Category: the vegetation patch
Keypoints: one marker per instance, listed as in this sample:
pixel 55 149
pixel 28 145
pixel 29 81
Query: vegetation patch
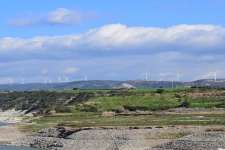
pixel 84 108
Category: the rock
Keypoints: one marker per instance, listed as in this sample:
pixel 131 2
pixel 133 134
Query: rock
pixel 46 143
pixel 108 114
pixel 59 132
pixel 203 141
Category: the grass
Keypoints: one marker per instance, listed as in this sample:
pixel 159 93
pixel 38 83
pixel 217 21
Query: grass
pixel 206 102
pixel 83 119
pixel 88 113
pixel 146 102
pixel 151 100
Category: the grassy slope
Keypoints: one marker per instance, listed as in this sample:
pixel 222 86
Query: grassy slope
pixel 154 100
pixel 88 113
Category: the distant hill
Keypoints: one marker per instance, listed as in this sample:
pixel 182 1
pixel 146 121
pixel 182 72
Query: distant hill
pixel 108 84
pixel 220 83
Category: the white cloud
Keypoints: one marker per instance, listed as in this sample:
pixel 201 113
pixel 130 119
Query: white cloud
pixel 66 16
pixel 60 16
pixel 192 39
pixel 181 43
pixel 70 70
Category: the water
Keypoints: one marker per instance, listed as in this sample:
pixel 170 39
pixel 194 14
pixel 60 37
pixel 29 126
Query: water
pixel 2 124
pixel 14 148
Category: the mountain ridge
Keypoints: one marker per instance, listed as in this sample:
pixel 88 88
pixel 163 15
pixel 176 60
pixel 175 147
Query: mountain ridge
pixel 109 84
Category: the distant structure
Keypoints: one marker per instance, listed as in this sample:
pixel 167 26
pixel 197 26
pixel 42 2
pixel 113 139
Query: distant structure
pixel 147 76
pixel 178 76
pixel 172 84
pixel 85 78
pixel 125 86
pixel 215 76
pixel 23 81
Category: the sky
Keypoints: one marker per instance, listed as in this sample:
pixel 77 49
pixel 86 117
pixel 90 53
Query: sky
pixel 67 40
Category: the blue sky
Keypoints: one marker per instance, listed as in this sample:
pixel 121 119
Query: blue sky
pixel 65 40
pixel 157 13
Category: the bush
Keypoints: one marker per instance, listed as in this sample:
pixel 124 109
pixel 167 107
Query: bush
pixel 160 91
pixel 63 109
pixel 185 104
pixel 134 108
pixel 88 108
pixel 178 96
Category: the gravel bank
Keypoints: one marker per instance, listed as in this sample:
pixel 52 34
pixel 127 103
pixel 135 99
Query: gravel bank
pixel 202 141
pixel 104 138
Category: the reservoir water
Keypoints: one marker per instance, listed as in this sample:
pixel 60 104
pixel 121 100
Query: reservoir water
pixel 2 124
pixel 14 148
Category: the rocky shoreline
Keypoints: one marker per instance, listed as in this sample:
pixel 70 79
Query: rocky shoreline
pixel 90 139
pixel 119 138
pixel 112 138
pixel 135 138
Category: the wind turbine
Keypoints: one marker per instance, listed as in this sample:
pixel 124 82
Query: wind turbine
pixel 178 76
pixel 172 84
pixel 59 79
pixel 149 76
pixel 215 76
pixel 23 81
pixel 85 78
pixel 146 76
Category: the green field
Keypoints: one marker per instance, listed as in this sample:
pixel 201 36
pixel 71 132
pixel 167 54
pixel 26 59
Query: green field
pixel 88 112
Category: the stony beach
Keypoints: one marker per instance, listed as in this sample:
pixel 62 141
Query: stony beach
pixel 117 138
pixel 138 138
pixel 111 138
pixel 9 134
pixel 9 131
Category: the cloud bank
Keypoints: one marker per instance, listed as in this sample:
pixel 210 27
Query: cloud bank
pixel 193 49
pixel 205 40
pixel 117 36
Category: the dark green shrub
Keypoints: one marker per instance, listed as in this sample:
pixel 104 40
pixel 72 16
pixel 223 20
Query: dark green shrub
pixel 160 91
pixel 88 108
pixel 63 109
pixel 134 108
pixel 184 103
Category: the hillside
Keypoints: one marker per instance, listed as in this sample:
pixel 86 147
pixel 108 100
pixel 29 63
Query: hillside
pixel 109 84
pixel 84 108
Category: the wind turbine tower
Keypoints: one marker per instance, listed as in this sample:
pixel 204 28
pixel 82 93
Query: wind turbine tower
pixel 178 76
pixel 149 76
pixel 85 78
pixel 215 76
pixel 172 84
pixel 146 76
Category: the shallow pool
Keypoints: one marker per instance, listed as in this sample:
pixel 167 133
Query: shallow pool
pixel 2 124
pixel 14 148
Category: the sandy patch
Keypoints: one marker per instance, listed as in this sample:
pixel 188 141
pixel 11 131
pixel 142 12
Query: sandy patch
pixel 11 116
pixel 9 134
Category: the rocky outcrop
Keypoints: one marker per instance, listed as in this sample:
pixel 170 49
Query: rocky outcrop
pixel 203 141
pixel 45 143
pixel 59 132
